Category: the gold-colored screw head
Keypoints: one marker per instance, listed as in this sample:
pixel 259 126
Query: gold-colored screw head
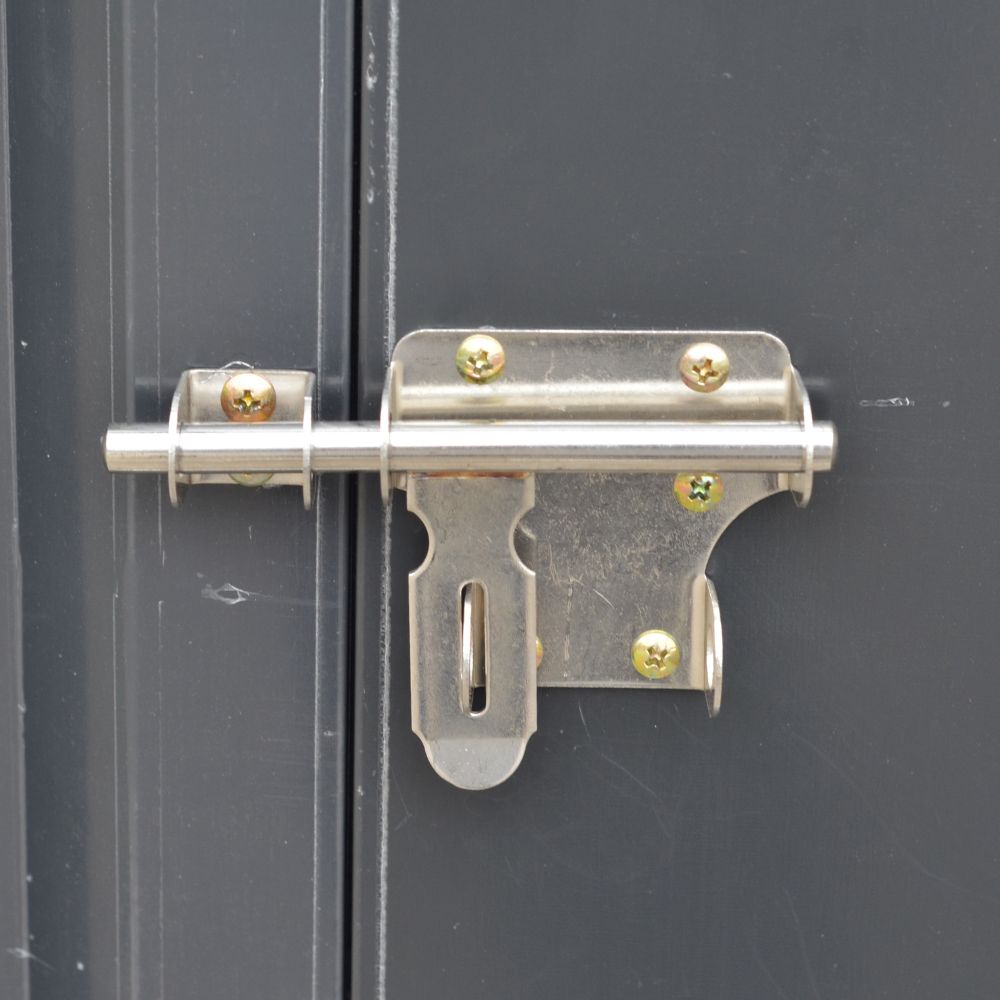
pixel 704 367
pixel 480 358
pixel 251 478
pixel 539 651
pixel 248 398
pixel 698 491
pixel 655 654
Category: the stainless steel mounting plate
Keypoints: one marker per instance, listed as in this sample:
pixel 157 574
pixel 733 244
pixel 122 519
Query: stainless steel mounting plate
pixel 615 555
pixel 196 402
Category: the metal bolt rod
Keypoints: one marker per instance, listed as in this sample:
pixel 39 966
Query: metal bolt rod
pixel 466 446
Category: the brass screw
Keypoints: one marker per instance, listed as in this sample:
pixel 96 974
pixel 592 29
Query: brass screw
pixel 539 651
pixel 704 367
pixel 251 478
pixel 248 398
pixel 480 358
pixel 698 491
pixel 655 654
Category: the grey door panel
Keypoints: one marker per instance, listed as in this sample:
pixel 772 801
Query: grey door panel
pixel 14 943
pixel 182 190
pixel 825 172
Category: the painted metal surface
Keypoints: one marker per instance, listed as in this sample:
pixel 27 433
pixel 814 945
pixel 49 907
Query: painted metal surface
pixel 182 189
pixel 826 172
pixel 15 946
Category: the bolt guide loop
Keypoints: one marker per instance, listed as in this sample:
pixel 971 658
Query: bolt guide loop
pixel 573 485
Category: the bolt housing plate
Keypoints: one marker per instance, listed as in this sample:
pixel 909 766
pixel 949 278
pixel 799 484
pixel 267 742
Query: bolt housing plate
pixel 615 555
pixel 196 400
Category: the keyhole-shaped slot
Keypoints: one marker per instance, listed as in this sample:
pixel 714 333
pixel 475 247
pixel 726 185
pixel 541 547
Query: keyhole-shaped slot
pixel 474 684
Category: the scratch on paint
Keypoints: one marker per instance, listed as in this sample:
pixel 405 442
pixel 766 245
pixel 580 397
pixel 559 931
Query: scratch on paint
pixel 803 950
pixel 228 593
pixel 603 598
pixel 894 402
pixel 26 956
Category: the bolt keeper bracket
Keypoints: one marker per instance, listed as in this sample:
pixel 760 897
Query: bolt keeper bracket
pixel 573 484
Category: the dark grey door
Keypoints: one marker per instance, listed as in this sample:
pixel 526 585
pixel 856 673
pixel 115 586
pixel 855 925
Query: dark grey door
pixel 13 866
pixel 181 194
pixel 826 172
pixel 221 794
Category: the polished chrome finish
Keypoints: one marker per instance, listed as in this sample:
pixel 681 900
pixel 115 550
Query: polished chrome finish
pixel 307 446
pixel 470 525
pixel 196 410
pixel 390 395
pixel 180 409
pixel 799 410
pixel 474 693
pixel 660 471
pixel 591 446
pixel 592 375
pixel 467 446
pixel 706 639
